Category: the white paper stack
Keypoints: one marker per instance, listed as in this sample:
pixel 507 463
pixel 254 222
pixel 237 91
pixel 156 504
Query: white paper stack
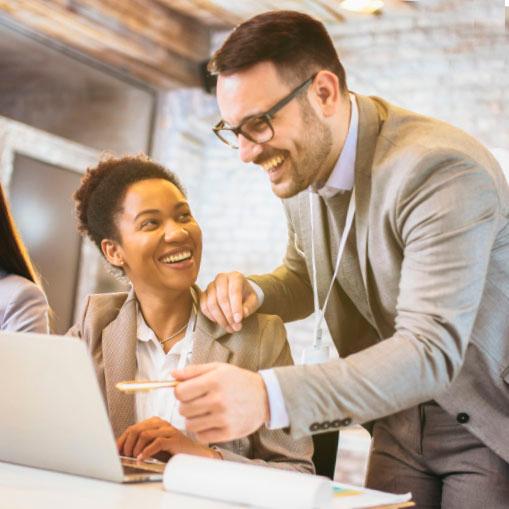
pixel 242 483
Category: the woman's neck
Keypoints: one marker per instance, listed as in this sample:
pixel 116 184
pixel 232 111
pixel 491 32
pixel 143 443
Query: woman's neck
pixel 165 313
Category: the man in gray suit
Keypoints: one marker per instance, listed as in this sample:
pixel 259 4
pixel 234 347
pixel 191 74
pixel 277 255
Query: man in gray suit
pixel 417 213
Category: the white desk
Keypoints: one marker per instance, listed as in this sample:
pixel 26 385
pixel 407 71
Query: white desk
pixel 31 488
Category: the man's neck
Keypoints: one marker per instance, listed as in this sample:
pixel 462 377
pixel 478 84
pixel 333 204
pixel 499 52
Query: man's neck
pixel 339 127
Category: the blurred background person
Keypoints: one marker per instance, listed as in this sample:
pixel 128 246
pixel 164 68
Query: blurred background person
pixel 23 305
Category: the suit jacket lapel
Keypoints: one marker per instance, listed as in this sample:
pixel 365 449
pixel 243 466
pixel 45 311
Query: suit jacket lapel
pixel 369 127
pixel 207 346
pixel 325 270
pixel 119 357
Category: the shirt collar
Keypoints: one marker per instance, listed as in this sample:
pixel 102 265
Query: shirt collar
pixel 143 331
pixel 342 177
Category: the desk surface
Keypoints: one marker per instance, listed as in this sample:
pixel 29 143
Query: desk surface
pixel 27 488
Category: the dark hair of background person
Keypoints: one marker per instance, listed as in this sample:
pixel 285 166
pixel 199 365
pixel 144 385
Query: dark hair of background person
pixel 103 188
pixel 296 43
pixel 14 257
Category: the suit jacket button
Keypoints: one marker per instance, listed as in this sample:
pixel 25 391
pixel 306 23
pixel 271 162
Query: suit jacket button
pixel 326 425
pixel 462 418
pixel 347 421
pixel 337 423
pixel 315 426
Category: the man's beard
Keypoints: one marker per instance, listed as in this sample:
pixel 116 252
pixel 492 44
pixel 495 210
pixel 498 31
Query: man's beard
pixel 315 148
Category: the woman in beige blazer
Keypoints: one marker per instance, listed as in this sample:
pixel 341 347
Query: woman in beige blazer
pixel 137 214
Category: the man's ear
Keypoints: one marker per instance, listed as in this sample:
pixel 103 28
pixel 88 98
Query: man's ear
pixel 112 252
pixel 327 92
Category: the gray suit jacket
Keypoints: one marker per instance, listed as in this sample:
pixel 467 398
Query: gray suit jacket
pixel 108 325
pixel 23 305
pixel 421 310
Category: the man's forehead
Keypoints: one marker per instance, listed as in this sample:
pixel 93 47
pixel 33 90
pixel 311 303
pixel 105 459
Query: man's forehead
pixel 249 92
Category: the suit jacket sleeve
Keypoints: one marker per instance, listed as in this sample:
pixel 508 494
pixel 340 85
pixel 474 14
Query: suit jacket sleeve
pixel 27 310
pixel 275 448
pixel 445 215
pixel 287 290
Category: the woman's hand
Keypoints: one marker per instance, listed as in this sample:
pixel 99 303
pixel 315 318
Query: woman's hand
pixel 152 436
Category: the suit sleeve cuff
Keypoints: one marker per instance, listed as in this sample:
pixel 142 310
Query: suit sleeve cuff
pixel 278 414
pixel 259 293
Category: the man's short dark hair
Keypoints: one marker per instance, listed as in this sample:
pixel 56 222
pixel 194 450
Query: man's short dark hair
pixel 297 44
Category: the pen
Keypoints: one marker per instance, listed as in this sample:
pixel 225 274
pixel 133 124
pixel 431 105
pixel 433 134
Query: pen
pixel 144 385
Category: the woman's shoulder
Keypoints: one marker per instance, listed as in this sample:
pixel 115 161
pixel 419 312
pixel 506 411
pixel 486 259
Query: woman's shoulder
pixel 13 286
pixel 97 311
pixel 261 342
pixel 100 304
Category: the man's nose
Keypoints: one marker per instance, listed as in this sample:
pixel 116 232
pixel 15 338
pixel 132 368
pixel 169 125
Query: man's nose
pixel 248 150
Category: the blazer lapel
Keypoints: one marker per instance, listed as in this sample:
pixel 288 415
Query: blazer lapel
pixel 321 238
pixel 369 127
pixel 207 346
pixel 119 357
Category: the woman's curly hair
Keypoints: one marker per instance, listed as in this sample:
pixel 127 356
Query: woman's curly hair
pixel 102 190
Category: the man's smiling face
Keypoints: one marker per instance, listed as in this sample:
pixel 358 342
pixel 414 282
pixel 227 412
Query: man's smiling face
pixel 295 157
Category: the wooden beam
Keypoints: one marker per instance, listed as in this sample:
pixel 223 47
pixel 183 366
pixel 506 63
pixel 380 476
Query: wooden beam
pixel 149 20
pixel 208 12
pixel 138 55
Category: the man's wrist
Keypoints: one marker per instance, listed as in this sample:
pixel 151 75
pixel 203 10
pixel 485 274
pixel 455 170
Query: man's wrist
pixel 265 396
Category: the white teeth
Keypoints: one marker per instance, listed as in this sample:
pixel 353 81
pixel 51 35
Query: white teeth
pixel 273 162
pixel 178 257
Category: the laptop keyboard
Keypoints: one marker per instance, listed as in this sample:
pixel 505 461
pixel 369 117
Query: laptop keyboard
pixel 133 466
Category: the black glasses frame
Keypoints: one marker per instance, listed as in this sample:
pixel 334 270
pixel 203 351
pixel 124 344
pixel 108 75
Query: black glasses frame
pixel 266 116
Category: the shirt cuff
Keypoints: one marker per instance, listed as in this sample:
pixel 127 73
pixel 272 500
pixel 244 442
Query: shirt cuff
pixel 259 293
pixel 278 414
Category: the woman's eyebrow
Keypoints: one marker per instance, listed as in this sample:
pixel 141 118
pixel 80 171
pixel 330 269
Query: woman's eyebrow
pixel 147 211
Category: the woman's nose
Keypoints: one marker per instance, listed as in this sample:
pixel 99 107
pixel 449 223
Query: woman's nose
pixel 175 232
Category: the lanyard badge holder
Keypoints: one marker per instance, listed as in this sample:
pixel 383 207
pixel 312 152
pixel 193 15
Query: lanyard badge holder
pixel 318 353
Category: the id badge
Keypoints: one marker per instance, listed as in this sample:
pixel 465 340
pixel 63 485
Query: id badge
pixel 315 354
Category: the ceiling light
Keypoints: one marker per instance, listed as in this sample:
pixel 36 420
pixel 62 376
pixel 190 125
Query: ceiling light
pixel 362 6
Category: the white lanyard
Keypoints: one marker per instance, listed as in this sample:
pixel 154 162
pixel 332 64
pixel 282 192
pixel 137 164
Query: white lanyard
pixel 318 353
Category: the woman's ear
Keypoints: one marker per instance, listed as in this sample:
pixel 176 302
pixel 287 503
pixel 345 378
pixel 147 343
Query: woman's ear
pixel 112 252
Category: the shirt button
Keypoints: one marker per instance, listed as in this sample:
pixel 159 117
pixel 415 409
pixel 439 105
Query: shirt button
pixel 462 418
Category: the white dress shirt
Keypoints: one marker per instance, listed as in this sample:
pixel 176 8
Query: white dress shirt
pixel 154 364
pixel 340 180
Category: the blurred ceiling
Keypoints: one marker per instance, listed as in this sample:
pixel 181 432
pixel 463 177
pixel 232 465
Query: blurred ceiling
pixel 161 42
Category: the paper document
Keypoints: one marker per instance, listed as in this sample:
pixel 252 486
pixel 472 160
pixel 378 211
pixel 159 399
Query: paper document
pixel 245 484
pixel 347 496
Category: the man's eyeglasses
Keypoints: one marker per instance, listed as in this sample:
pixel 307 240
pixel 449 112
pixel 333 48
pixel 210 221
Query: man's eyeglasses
pixel 257 129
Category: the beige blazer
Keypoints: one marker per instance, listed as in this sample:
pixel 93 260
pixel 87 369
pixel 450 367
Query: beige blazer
pixel 108 326
pixel 422 305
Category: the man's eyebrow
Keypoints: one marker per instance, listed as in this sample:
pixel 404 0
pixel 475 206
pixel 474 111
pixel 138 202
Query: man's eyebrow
pixel 244 119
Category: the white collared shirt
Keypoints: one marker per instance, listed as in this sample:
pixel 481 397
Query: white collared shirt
pixel 340 180
pixel 154 364
pixel 343 175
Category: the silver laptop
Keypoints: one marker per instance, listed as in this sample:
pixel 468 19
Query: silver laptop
pixel 52 413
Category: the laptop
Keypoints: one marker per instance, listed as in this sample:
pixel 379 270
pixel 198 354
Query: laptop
pixel 53 415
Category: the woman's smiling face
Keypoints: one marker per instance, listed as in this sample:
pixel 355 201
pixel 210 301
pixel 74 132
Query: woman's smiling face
pixel 160 242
